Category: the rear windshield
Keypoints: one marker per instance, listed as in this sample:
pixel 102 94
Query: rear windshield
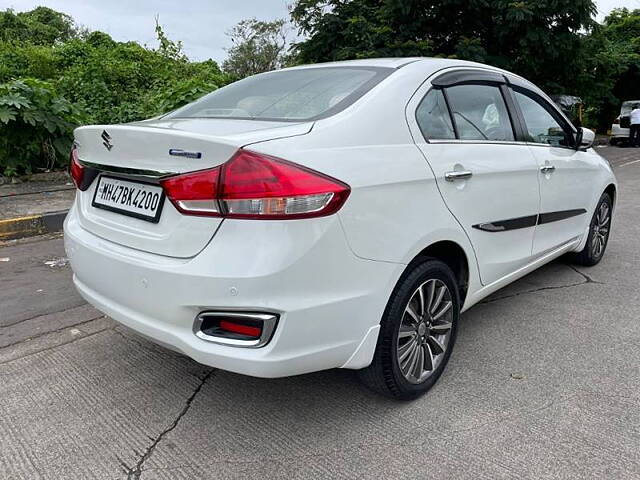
pixel 287 95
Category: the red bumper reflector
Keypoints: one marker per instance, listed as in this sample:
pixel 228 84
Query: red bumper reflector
pixel 241 329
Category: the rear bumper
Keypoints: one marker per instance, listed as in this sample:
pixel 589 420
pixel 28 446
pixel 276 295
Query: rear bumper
pixel 329 301
pixel 618 132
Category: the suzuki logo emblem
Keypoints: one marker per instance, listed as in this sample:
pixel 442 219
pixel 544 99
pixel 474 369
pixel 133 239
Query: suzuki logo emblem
pixel 106 140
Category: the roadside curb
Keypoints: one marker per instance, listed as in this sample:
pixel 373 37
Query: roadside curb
pixel 31 225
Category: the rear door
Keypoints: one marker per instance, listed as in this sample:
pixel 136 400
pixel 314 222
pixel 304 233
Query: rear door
pixel 566 175
pixel 488 180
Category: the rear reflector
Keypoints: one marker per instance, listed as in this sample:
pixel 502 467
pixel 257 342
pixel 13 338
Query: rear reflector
pixel 256 186
pixel 237 329
pixel 234 327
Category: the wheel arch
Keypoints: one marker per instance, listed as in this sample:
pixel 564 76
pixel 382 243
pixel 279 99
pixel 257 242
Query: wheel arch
pixel 612 191
pixel 453 255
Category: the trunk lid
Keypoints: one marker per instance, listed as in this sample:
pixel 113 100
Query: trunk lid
pixel 140 152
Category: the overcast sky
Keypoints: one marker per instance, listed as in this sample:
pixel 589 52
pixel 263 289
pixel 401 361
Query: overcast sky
pixel 200 24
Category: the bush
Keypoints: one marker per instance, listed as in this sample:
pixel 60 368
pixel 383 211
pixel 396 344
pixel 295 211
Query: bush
pixel 175 95
pixel 36 126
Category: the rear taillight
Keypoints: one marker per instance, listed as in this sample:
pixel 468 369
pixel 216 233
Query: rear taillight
pixel 256 186
pixel 76 170
pixel 195 193
pixel 616 121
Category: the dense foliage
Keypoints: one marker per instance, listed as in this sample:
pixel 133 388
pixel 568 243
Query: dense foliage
pixel 555 43
pixel 611 69
pixel 55 76
pixel 35 125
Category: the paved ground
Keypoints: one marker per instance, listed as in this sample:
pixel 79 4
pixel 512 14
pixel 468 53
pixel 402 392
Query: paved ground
pixel 544 383
pixel 41 193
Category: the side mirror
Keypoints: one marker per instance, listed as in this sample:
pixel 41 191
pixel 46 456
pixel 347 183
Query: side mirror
pixel 584 138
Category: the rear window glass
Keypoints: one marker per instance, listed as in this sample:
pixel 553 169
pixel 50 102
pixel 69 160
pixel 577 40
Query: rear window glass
pixel 289 95
pixel 433 117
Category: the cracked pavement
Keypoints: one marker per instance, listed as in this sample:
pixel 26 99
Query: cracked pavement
pixel 544 382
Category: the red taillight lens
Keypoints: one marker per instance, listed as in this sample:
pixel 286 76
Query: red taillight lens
pixel 195 193
pixel 616 121
pixel 76 170
pixel 257 186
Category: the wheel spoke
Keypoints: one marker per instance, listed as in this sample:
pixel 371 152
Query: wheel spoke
pixel 421 295
pixel 419 363
pixel 412 313
pixel 441 329
pixel 405 350
pixel 436 347
pixel 428 357
pixel 409 364
pixel 438 299
pixel 445 308
pixel 598 246
pixel 406 331
pixel 431 289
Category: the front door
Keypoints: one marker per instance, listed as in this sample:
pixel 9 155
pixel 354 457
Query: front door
pixel 564 173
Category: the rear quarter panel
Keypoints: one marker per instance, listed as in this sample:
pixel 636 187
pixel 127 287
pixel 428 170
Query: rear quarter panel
pixel 395 209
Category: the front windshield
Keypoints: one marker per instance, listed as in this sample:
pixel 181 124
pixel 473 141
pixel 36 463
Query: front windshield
pixel 288 95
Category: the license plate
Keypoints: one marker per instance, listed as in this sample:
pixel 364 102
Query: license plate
pixel 135 199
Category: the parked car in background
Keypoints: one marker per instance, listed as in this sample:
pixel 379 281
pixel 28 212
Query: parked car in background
pixel 621 125
pixel 339 215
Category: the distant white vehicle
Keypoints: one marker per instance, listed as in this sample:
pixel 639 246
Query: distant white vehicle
pixel 620 129
pixel 340 215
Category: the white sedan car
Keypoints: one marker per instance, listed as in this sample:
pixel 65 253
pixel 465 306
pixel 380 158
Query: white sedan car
pixel 340 215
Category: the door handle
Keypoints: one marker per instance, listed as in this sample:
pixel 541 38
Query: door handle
pixel 547 168
pixel 457 175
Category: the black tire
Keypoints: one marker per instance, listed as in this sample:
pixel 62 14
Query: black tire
pixel 591 254
pixel 613 142
pixel 384 375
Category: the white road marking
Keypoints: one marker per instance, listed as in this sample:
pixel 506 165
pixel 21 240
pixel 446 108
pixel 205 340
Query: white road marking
pixel 629 163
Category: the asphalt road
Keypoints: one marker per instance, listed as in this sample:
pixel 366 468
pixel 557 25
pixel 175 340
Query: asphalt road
pixel 544 382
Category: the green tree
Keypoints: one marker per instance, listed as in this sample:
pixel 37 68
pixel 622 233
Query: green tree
pixel 540 39
pixel 257 47
pixel 40 26
pixel 611 67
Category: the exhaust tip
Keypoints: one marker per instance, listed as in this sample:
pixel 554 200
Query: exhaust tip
pixel 236 329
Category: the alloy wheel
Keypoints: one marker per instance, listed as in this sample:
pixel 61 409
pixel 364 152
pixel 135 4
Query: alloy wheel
pixel 600 229
pixel 425 331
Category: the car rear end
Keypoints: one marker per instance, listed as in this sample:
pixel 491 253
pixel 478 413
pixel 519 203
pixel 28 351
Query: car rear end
pixel 620 129
pixel 185 232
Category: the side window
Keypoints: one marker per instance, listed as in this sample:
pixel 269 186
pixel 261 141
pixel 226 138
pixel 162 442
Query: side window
pixel 433 117
pixel 480 113
pixel 540 125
